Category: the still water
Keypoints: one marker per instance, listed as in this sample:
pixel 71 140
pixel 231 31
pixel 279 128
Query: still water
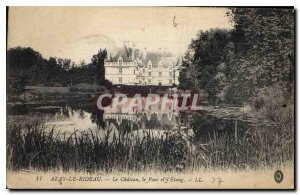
pixel 84 116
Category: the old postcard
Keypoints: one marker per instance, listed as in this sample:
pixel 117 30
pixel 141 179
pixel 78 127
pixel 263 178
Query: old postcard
pixel 150 98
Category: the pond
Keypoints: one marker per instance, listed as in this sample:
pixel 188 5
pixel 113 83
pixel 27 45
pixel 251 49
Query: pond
pixel 84 116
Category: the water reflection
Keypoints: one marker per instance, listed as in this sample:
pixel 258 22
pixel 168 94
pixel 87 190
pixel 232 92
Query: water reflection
pixel 84 116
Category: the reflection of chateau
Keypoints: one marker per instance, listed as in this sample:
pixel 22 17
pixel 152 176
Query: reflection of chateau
pixel 135 119
pixel 131 66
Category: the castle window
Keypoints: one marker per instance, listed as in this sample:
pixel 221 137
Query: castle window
pixel 149 73
pixel 120 70
pixel 170 73
pixel 149 81
pixel 170 81
pixel 160 73
pixel 120 79
pixel 133 71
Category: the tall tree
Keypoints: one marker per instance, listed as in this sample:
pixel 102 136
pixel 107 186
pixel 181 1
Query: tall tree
pixel 24 66
pixel 257 54
pixel 202 61
pixel 264 47
pixel 187 72
pixel 98 62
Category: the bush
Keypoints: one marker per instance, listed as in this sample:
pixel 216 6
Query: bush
pixel 107 84
pixel 275 104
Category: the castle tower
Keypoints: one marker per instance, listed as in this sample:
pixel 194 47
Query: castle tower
pixel 132 52
pixel 145 53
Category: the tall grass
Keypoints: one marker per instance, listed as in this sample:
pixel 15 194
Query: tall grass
pixel 36 147
pixel 257 147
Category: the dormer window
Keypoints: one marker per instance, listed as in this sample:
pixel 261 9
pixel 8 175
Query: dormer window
pixel 159 65
pixel 120 61
pixel 149 64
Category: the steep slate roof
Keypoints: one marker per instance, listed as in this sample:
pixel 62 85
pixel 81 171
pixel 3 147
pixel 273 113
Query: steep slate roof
pixel 155 57
pixel 165 62
pixel 125 53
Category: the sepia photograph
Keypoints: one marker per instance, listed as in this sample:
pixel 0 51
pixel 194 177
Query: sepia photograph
pixel 150 97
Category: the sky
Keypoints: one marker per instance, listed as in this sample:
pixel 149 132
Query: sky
pixel 79 32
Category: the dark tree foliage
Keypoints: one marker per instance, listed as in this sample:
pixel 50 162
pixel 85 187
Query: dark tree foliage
pixel 264 50
pixel 186 80
pixel 202 60
pixel 258 53
pixel 24 67
pixel 98 62
pixel 28 67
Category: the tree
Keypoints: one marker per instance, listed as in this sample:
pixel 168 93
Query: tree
pixel 24 66
pixel 264 47
pixel 22 58
pixel 186 74
pixel 234 66
pixel 201 62
pixel 98 63
pixel 64 63
pixel 24 62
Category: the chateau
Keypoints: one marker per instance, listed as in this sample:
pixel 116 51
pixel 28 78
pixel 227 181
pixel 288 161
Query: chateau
pixel 132 66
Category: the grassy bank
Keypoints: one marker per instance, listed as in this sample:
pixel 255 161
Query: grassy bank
pixel 37 147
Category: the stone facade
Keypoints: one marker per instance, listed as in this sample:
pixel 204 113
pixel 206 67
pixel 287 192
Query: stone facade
pixel 135 67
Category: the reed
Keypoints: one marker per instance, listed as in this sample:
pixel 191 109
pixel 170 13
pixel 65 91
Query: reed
pixel 38 147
